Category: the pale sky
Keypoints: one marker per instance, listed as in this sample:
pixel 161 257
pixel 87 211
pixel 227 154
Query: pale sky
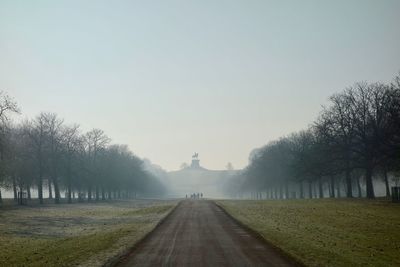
pixel 170 78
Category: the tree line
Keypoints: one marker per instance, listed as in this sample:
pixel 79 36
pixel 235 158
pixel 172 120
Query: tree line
pixel 354 141
pixel 45 153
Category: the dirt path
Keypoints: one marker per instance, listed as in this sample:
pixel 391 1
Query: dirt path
pixel 199 233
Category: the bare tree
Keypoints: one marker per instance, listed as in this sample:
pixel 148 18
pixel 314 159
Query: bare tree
pixel 95 141
pixel 7 106
pixel 72 143
pixel 54 130
pixel 37 132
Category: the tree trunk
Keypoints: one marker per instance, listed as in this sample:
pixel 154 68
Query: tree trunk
pixel 315 190
pixel 320 188
pixel 359 187
pixel 280 192
pixel 103 194
pixel 332 191
pixel 69 182
pixel 14 188
pixel 1 198
pixel 369 183
pixel 89 193
pixel 50 189
pixel 97 193
pixel 28 191
pixel 69 192
pixel 56 191
pixel 339 193
pixel 385 176
pixel 301 189
pixel 349 189
pixel 40 189
pixel 109 194
pixel 287 190
pixel 310 195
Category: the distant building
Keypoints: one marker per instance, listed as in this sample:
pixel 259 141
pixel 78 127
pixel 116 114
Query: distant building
pixel 196 179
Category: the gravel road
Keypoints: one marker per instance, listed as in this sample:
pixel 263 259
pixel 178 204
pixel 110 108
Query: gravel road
pixel 199 233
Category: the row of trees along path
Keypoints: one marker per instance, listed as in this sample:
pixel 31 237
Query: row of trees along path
pixel 354 140
pixel 44 152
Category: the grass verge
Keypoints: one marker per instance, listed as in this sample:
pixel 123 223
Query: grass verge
pixel 326 232
pixel 73 235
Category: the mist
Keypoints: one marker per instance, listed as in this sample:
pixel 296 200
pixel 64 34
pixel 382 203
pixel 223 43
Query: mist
pixel 199 133
pixel 195 179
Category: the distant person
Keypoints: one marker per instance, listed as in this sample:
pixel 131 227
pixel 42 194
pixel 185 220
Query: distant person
pixel 201 195
pixel 186 195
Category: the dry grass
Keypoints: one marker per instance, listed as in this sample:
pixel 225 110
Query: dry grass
pixel 326 232
pixel 77 234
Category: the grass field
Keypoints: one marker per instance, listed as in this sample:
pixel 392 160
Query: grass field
pixel 326 232
pixel 77 234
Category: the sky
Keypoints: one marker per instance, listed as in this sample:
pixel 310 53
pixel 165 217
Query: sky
pixel 170 78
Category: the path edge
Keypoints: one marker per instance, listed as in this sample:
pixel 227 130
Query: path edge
pixel 113 261
pixel 261 238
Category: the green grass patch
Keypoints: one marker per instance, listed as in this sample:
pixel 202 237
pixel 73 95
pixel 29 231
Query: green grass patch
pixel 326 232
pixel 61 251
pixel 71 235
